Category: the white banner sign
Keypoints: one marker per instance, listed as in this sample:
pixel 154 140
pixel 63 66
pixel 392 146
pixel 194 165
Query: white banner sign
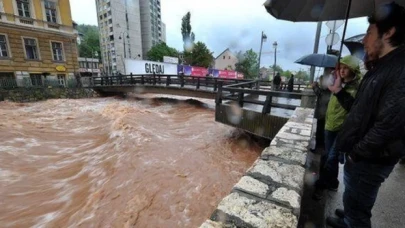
pixel 168 59
pixel 149 67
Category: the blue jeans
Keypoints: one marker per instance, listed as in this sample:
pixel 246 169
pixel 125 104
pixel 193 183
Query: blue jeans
pixel 362 182
pixel 329 168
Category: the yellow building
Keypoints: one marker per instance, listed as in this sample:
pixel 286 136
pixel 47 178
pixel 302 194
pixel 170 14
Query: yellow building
pixel 37 41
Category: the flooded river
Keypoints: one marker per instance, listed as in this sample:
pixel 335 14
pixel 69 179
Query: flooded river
pixel 110 162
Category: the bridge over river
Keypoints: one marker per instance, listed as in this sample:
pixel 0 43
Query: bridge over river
pixel 250 105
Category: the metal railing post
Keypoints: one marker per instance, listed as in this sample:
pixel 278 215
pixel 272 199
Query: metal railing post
pixel 240 99
pixel 218 98
pixel 198 83
pixel 267 104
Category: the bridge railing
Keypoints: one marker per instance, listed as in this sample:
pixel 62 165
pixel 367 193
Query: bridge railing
pixel 247 93
pixel 162 80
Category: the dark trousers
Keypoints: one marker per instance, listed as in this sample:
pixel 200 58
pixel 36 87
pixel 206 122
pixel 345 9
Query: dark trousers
pixel 362 182
pixel 329 167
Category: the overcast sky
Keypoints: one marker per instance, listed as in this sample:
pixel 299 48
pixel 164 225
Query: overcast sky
pixel 236 24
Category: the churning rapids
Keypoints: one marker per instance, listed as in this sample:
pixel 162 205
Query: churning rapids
pixel 111 162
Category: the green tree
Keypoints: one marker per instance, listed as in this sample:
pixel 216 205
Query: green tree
pixel 186 30
pixel 277 69
pixel 161 49
pixel 200 55
pixel 247 64
pixel 286 73
pixel 303 75
pixel 91 41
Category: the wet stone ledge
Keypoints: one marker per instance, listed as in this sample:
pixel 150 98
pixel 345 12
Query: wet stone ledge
pixel 38 94
pixel 269 195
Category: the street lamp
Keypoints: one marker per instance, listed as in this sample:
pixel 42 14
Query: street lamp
pixel 275 58
pixel 263 39
pixel 95 53
pixel 122 37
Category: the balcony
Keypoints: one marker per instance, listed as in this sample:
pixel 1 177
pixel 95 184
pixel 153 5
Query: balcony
pixel 53 26
pixel 26 21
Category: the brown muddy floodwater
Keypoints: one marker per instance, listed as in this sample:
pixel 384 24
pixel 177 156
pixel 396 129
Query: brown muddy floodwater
pixel 110 162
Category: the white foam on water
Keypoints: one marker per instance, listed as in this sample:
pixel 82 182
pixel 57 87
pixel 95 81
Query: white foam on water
pixel 45 219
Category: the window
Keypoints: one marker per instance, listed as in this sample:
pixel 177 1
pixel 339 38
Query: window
pixel 61 79
pixel 223 57
pixel 111 29
pixel 229 57
pixel 36 79
pixel 3 47
pixel 50 10
pixel 23 7
pixel 57 51
pixel 31 49
pixel 101 17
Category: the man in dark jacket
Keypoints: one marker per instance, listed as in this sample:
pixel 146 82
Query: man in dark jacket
pixel 372 136
pixel 290 86
pixel 277 81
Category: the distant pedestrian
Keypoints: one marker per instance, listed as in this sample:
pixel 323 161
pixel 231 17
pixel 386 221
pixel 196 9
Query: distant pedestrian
pixel 290 86
pixel 335 115
pixel 277 81
pixel 373 134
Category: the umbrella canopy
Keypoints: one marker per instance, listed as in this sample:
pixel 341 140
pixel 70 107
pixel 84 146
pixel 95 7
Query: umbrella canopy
pixel 318 60
pixel 322 10
pixel 355 45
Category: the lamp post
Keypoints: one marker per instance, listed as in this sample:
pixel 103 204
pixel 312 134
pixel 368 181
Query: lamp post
pixel 93 53
pixel 275 58
pixel 122 37
pixel 263 39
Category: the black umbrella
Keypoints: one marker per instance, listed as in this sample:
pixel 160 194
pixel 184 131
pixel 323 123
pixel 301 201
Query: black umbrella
pixel 355 45
pixel 318 60
pixel 324 10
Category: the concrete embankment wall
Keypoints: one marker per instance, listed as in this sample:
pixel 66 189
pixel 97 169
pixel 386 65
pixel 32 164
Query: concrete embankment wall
pixel 38 94
pixel 269 194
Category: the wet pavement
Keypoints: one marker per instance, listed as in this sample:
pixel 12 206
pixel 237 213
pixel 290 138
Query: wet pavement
pixel 388 211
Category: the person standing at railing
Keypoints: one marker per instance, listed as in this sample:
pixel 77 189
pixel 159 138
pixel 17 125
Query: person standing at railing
pixel 290 86
pixel 277 81
pixel 335 115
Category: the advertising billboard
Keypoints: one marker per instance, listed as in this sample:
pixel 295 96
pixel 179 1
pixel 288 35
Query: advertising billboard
pixel 168 59
pixel 192 71
pixel 149 67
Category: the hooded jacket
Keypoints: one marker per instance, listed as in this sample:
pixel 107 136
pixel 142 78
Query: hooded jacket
pixel 336 113
pixel 374 130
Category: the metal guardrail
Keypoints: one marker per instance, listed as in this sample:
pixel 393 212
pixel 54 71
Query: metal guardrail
pixel 243 96
pixel 162 80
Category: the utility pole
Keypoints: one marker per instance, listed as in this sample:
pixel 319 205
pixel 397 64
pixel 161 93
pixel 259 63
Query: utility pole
pixel 316 46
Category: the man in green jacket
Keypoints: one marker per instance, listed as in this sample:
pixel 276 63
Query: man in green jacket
pixel 335 116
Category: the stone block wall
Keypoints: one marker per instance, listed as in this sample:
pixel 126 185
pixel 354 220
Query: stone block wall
pixel 38 94
pixel 269 195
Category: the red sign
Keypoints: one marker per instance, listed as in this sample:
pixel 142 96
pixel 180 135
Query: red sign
pixel 228 74
pixel 199 71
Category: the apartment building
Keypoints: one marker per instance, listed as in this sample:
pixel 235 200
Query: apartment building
pixel 37 41
pixel 120 33
pixel 153 30
pixel 128 29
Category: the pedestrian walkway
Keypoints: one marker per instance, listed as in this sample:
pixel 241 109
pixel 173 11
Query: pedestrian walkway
pixel 389 209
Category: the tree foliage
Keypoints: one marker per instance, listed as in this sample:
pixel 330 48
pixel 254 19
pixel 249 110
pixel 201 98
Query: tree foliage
pixel 186 29
pixel 278 69
pixel 302 75
pixel 161 49
pixel 248 64
pixel 91 41
pixel 200 55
